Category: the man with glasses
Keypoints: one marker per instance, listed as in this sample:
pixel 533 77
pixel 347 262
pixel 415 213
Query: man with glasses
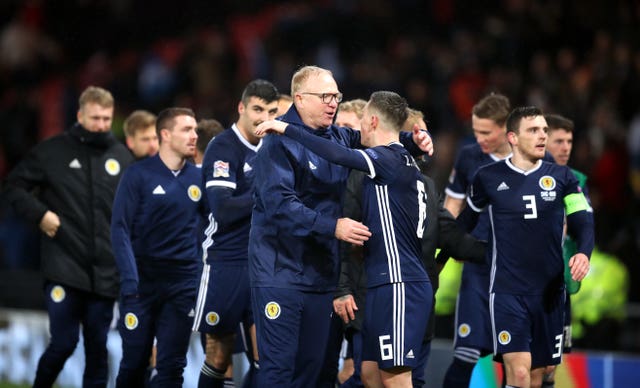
pixel 293 251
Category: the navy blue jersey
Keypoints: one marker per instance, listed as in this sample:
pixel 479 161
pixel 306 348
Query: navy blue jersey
pixel 469 160
pixel 394 209
pixel 527 210
pixel 297 202
pixel 227 172
pixel 156 215
pixel 393 206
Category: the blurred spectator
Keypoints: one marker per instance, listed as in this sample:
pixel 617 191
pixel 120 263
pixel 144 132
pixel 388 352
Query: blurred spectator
pixel 207 129
pixel 25 51
pixel 284 103
pixel 350 113
pixel 140 134
pixel 558 54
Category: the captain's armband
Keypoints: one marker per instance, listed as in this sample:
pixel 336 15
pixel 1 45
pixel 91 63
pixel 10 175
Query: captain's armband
pixel 575 202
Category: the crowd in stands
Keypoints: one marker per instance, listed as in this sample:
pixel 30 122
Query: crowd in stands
pixel 581 60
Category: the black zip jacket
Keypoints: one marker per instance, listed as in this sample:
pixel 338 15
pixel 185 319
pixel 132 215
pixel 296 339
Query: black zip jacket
pixel 75 175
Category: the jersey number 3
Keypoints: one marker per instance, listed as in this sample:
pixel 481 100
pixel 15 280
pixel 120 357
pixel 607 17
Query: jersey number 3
pixel 530 203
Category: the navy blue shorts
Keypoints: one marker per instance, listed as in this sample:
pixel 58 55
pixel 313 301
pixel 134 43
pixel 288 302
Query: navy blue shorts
pixel 473 321
pixel 529 323
pixel 224 299
pixel 293 330
pixel 395 322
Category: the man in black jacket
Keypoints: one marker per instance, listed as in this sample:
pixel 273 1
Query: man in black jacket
pixel 66 185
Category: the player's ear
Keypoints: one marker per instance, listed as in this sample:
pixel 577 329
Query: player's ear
pixel 165 133
pixel 512 138
pixel 374 121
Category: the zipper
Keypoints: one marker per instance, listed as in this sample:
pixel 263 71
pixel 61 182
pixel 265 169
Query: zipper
pixel 90 211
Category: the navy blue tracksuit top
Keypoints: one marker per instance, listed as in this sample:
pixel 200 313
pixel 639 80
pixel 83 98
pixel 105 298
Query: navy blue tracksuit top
pixel 297 203
pixel 156 215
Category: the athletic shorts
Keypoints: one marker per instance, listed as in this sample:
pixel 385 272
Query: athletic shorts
pixel 473 321
pixel 395 322
pixel 224 299
pixel 529 323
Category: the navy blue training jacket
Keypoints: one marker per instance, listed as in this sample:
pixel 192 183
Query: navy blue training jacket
pixel 297 203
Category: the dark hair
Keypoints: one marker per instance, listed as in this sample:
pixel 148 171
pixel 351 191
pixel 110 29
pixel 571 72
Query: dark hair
pixel 391 106
pixel 516 115
pixel 207 129
pixel 262 89
pixel 494 107
pixel 166 118
pixel 555 121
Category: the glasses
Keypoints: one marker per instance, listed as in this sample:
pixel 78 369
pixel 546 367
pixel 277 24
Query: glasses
pixel 327 97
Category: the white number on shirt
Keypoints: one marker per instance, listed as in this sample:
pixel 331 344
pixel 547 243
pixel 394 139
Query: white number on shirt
pixel 530 201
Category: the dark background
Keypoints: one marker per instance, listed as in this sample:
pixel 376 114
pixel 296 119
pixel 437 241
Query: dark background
pixel 577 58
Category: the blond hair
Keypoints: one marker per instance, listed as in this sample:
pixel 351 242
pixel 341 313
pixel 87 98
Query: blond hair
pixel 355 106
pixel 138 120
pixel 303 74
pixel 414 116
pixel 96 95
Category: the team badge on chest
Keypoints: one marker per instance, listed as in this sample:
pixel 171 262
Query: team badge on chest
pixel 547 184
pixel 112 167
pixel 194 193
